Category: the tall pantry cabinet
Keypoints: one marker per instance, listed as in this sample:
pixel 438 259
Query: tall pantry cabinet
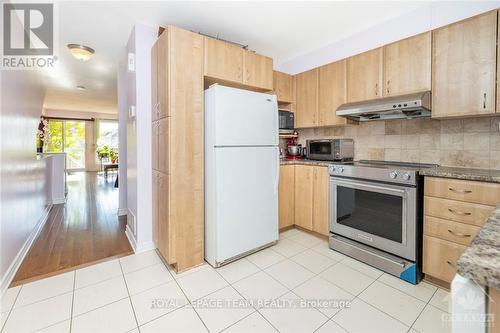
pixel 177 144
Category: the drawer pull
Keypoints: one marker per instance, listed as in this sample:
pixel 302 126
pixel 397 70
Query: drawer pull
pixel 458 234
pixel 451 264
pixel 460 191
pixel 458 212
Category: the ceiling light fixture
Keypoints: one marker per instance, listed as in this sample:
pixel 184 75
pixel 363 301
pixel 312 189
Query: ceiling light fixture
pixel 81 52
pixel 80 87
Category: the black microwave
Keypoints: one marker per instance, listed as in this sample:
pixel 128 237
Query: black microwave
pixel 286 119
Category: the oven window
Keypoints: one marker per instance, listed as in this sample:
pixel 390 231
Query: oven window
pixel 372 212
pixel 322 148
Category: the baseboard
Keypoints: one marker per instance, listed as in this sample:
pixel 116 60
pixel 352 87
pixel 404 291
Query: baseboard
pixel 122 211
pixel 130 237
pixel 14 266
pixel 57 201
pixel 138 247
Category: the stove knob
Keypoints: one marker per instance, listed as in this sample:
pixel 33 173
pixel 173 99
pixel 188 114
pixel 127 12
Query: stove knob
pixel 393 175
pixel 406 176
pixel 341 169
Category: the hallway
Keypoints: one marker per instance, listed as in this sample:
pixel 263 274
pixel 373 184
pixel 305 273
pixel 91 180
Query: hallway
pixel 81 232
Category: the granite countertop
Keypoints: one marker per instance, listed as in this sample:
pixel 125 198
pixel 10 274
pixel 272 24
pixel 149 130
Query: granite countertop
pixel 305 161
pixel 480 262
pixel 484 175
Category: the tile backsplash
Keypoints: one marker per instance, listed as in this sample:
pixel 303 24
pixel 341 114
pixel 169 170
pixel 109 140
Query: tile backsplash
pixel 473 143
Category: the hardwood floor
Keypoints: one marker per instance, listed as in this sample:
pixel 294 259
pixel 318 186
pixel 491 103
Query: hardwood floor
pixel 81 232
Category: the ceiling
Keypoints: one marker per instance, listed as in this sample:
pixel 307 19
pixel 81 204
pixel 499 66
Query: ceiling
pixel 282 30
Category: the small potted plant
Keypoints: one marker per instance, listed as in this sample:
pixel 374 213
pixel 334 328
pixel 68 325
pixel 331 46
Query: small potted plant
pixel 113 155
pixel 103 152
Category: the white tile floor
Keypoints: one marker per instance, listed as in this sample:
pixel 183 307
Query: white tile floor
pixel 283 288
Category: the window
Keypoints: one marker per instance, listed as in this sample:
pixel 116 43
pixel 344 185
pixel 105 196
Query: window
pixel 67 136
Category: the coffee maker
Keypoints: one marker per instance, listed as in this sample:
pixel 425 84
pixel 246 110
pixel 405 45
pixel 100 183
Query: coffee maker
pixel 293 148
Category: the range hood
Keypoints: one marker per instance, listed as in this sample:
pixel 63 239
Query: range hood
pixel 399 107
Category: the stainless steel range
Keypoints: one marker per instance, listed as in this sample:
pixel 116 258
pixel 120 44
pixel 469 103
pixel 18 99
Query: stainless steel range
pixel 376 215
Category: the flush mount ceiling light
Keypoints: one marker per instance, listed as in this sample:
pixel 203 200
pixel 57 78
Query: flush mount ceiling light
pixel 80 87
pixel 81 52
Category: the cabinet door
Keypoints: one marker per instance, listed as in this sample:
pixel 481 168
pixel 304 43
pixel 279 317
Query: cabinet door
pixel 154 144
pixel 364 76
pixel 155 207
pixel 166 236
pixel 154 82
pixel 223 60
pixel 464 67
pixel 303 196
pixel 162 81
pixel 283 87
pixel 306 98
pixel 320 200
pixel 407 65
pixel 258 71
pixel 162 132
pixel 332 93
pixel 287 196
pixel 440 258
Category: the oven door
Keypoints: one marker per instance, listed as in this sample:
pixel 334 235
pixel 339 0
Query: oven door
pixel 380 215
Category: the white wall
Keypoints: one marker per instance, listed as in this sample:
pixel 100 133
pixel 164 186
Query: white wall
pixel 139 174
pixel 23 196
pixel 431 16
pixel 122 137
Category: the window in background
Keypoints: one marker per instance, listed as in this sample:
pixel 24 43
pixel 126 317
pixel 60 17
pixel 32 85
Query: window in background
pixel 67 136
pixel 107 141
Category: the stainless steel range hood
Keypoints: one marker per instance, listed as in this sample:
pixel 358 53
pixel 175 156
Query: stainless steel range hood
pixel 400 107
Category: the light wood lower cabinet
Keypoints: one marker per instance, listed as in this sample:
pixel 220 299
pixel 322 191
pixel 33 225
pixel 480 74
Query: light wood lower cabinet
pixel 303 197
pixel 178 198
pixel 440 258
pixel 321 179
pixel 452 218
pixel 287 196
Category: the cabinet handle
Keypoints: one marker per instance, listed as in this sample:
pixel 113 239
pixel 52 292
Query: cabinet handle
pixel 376 89
pixel 451 264
pixel 158 107
pixel 458 212
pixel 459 191
pixel 458 234
pixel 484 101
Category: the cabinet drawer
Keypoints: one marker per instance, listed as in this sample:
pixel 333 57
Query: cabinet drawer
pixel 440 258
pixel 451 231
pixel 464 212
pixel 463 190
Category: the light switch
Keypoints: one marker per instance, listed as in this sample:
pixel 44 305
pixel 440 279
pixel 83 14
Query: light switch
pixel 131 111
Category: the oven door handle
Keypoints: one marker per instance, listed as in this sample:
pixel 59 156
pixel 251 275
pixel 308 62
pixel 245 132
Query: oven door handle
pixel 402 192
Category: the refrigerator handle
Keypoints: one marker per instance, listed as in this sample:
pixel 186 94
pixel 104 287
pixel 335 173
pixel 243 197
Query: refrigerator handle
pixel 276 186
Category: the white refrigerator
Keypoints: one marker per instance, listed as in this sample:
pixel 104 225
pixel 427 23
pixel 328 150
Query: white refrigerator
pixel 241 173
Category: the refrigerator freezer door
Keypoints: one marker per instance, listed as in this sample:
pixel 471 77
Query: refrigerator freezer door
pixel 239 117
pixel 246 190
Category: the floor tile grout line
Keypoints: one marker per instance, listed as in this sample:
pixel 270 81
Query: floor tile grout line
pixel 427 304
pixel 239 320
pixel 404 292
pixel 130 299
pixel 11 309
pixel 72 303
pixel 187 299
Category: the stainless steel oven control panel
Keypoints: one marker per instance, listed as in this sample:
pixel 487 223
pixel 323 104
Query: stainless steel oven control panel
pixel 399 176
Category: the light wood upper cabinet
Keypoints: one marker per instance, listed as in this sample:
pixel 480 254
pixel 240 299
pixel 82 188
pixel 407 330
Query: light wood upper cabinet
pixel 286 196
pixel 258 71
pixel 223 60
pixel 364 76
pixel 320 223
pixel 163 150
pixel 306 98
pixel 154 82
pixel 162 89
pixel 283 87
pixel 304 196
pixel 464 67
pixel 332 93
pixel 407 65
pixel 154 145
